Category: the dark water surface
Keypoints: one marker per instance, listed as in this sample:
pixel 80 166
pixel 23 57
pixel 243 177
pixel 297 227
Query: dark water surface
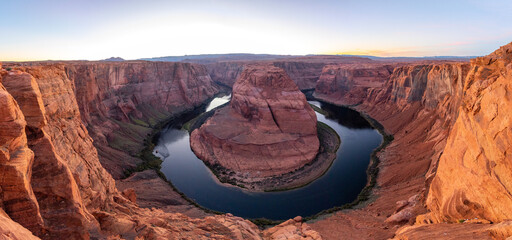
pixel 341 184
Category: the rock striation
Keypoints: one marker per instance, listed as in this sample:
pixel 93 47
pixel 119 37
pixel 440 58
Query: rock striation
pixel 121 102
pixel 474 176
pixel 17 197
pixel 418 105
pixel 350 83
pixel 267 130
pixel 304 71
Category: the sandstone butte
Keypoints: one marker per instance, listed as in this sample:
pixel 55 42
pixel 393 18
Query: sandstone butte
pixel 268 128
pixel 68 130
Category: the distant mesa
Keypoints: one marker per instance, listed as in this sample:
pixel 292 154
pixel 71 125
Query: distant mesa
pixel 113 59
pixel 267 130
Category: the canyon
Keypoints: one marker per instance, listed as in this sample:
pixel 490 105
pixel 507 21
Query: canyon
pixel 69 131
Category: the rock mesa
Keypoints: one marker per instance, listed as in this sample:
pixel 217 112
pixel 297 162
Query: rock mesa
pixel 268 128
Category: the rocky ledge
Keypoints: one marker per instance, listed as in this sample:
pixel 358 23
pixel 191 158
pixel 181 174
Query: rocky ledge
pixel 268 129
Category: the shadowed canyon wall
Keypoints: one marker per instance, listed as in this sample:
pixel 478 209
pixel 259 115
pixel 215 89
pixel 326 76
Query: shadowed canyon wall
pixel 122 102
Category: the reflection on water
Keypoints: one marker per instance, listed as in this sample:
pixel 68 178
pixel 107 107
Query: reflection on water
pixel 217 102
pixel 341 184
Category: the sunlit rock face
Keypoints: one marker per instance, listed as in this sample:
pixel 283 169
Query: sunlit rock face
pixel 268 128
pixel 474 177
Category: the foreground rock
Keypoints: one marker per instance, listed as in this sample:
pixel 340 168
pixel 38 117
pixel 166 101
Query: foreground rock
pixel 474 177
pixel 268 129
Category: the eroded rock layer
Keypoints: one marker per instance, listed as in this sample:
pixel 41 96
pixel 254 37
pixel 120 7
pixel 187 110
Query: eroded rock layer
pixel 420 122
pixel 474 178
pixel 350 82
pixel 268 128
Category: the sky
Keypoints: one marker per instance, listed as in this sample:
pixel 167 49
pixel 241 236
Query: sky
pixel 132 29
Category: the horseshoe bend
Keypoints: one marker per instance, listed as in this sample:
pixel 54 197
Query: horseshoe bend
pixel 254 146
pixel 269 128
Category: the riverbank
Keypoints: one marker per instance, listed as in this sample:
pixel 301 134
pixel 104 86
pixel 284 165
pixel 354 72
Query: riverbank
pixel 373 168
pixel 329 144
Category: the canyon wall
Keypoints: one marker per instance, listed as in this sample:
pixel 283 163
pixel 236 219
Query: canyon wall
pixel 304 74
pixel 450 159
pixel 120 103
pixel 475 172
pixel 417 104
pixel 349 83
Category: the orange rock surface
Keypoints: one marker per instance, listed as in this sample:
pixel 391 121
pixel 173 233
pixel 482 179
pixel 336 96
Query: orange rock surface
pixel 17 197
pixel 474 177
pixel 268 128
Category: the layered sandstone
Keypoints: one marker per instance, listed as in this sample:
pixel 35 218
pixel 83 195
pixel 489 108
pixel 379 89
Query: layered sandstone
pixel 61 205
pixel 267 130
pixel 474 176
pixel 417 104
pixel 17 197
pixel 10 229
pixel 304 71
pixel 304 74
pixel 349 83
pixel 450 122
pixel 122 102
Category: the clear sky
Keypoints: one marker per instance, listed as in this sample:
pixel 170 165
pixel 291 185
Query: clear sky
pixel 98 29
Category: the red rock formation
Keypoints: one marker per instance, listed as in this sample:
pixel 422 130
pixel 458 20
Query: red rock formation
pixel 17 198
pixel 60 201
pixel 121 102
pixel 225 73
pixel 455 112
pixel 420 122
pixel 349 83
pixel 10 229
pixel 304 74
pixel 268 129
pixel 474 176
pixel 290 229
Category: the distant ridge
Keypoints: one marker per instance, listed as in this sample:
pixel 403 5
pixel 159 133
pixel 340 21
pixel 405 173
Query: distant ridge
pixel 211 58
pixel 113 59
pixel 206 58
pixel 446 58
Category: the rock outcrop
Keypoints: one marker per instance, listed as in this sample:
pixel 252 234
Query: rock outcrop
pixel 474 176
pixel 452 138
pixel 268 128
pixel 12 230
pixel 60 202
pixel 17 197
pixel 304 74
